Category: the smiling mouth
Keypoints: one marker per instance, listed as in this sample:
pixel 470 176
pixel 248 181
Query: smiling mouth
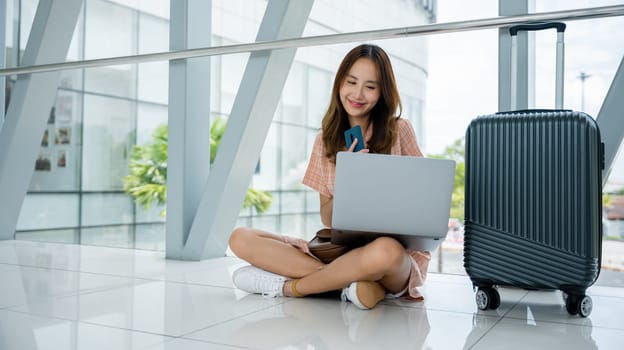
pixel 355 104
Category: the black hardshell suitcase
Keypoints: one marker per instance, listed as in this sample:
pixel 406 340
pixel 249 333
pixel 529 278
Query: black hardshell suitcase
pixel 533 206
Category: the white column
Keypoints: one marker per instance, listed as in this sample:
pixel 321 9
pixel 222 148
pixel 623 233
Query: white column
pixel 31 100
pixel 525 86
pixel 188 165
pixel 248 125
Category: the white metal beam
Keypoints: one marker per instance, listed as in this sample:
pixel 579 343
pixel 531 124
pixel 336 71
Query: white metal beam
pixel 611 120
pixel 188 165
pixel 525 84
pixel 247 128
pixel 29 108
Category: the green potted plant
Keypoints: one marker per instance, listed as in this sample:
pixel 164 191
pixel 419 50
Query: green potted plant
pixel 147 180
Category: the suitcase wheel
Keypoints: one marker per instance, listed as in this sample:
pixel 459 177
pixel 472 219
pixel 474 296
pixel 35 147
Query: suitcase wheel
pixel 578 304
pixel 487 298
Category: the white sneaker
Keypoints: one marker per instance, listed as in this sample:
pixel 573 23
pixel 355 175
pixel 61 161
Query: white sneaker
pixel 364 294
pixel 255 280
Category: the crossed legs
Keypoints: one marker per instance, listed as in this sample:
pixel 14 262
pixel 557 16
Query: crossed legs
pixel 384 260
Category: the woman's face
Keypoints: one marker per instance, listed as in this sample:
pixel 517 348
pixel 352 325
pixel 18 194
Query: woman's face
pixel 359 91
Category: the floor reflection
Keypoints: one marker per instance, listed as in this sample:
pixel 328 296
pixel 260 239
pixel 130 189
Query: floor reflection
pixel 319 323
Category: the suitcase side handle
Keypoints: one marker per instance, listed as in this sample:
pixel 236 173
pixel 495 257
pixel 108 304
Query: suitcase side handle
pixel 531 27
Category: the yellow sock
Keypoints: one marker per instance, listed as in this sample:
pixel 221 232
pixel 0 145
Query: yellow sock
pixel 293 288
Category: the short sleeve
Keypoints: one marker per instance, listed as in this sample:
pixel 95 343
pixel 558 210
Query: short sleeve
pixel 317 175
pixel 407 139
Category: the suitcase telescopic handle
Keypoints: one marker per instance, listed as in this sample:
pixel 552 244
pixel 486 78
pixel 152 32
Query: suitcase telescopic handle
pixel 513 31
pixel 531 27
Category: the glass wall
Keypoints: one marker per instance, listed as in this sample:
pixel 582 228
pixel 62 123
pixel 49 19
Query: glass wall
pixel 76 193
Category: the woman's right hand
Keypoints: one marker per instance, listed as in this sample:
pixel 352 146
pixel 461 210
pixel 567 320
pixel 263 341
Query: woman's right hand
pixel 354 143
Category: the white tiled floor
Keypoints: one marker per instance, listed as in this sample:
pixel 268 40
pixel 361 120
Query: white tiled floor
pixel 55 296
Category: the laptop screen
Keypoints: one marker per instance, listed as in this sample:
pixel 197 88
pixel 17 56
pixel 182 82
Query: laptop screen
pixel 392 194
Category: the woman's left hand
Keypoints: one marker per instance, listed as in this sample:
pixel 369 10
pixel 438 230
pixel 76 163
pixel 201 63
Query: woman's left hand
pixel 298 243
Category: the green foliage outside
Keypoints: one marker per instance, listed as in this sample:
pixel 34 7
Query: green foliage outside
pixel 457 152
pixel 147 181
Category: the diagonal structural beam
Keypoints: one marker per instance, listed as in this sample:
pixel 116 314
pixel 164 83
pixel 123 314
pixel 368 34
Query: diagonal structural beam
pixel 247 128
pixel 611 120
pixel 29 108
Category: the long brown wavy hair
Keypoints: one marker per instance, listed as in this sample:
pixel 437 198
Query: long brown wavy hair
pixel 383 115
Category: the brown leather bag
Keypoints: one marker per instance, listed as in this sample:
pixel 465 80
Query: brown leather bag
pixel 322 247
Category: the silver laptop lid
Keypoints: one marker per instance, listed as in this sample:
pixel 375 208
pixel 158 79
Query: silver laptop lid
pixel 392 194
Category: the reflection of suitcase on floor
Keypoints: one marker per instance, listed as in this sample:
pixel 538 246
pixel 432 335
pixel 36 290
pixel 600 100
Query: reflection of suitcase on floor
pixel 533 198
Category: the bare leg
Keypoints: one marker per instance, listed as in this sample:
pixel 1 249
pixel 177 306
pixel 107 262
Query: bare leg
pixel 269 252
pixel 383 260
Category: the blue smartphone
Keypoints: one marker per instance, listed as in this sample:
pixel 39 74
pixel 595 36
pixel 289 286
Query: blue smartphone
pixel 352 134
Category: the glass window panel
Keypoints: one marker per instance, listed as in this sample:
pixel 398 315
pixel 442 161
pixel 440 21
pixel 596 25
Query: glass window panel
pixel 239 20
pixel 106 209
pixel 153 82
pixel 245 212
pixel 150 215
pixel 232 69
pixel 108 138
pixel 153 76
pixel 27 11
pixel 312 225
pixel 114 80
pixel 215 79
pixel 272 210
pixel 412 111
pixel 293 156
pixel 266 176
pixel 293 202
pixel 265 223
pixel 613 208
pixel 292 96
pixel 58 163
pixel 72 78
pixel 109 236
pixel 149 118
pixel 313 202
pixel 46 211
pixel 11 8
pixel 318 95
pixel 56 236
pixel 293 225
pixel 150 236
pixel 153 34
pixel 109 32
pixel 311 137
pixel 215 93
pixel 243 222
pixel 158 8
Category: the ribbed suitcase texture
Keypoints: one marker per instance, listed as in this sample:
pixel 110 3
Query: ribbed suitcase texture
pixel 533 200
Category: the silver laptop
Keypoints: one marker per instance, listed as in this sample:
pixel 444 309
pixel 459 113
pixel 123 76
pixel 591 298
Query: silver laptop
pixel 408 198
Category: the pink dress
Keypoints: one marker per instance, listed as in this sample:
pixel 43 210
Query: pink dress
pixel 321 173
